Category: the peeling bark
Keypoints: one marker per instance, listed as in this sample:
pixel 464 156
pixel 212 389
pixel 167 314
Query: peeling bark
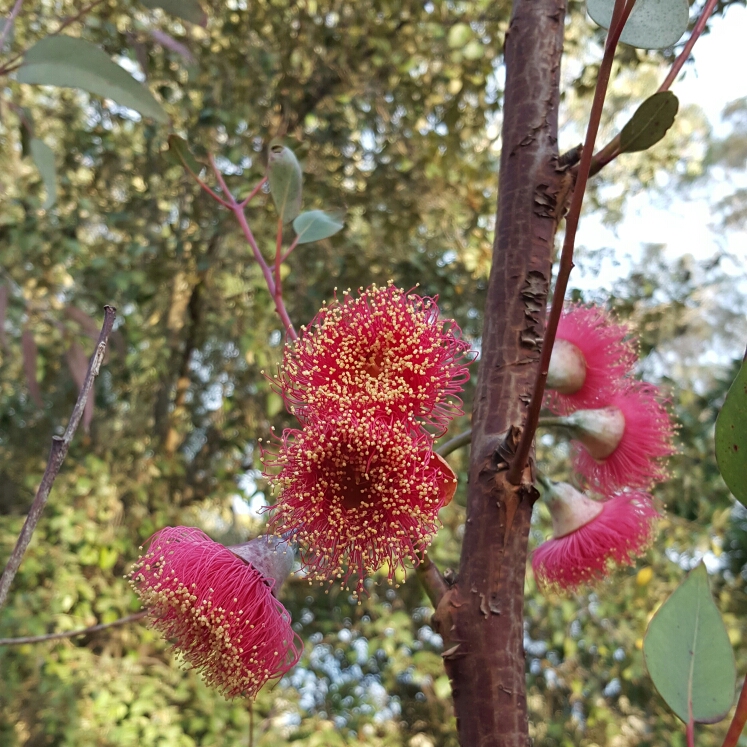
pixel 481 616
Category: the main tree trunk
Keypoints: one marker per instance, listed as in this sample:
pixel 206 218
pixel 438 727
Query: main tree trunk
pixel 481 616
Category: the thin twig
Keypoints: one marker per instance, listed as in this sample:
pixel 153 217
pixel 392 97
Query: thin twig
pixel 620 15
pixel 10 65
pixel 9 23
pixel 237 208
pixel 73 633
pixel 690 733
pixel 293 245
pixel 253 193
pixel 455 443
pixel 430 578
pixel 740 719
pixel 612 150
pixel 57 455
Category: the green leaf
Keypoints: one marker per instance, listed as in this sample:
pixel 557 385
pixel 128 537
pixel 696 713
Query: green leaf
pixel 731 437
pixel 688 653
pixel 187 10
pixel 74 63
pixel 653 24
pixel 285 177
pixel 316 225
pixel 43 157
pixel 180 153
pixel 650 122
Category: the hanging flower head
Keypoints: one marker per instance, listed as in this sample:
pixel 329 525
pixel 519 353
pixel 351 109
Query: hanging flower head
pixel 359 492
pixel 622 445
pixel 384 353
pixel 218 608
pixel 590 356
pixel 590 537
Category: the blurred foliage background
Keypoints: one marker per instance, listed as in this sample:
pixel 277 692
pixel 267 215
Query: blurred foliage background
pixel 395 110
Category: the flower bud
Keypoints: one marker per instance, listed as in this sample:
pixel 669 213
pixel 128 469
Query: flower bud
pixel 569 508
pixel 600 431
pixel 567 371
pixel 270 555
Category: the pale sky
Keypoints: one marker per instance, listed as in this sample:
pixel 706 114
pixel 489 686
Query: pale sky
pixel 717 76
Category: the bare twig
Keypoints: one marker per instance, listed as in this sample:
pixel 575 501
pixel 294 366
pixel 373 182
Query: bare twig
pixel 612 150
pixel 9 23
pixel 740 719
pixel 455 443
pixel 620 15
pixel 12 63
pixel 57 455
pixel 73 633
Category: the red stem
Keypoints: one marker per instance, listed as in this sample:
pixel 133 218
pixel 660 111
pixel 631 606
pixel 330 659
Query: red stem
pixel 237 208
pixel 619 17
pixel 683 56
pixel 690 733
pixel 740 719
pixel 612 149
pixel 290 249
pixel 253 193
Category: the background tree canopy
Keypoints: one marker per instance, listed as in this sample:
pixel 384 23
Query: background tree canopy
pixel 394 109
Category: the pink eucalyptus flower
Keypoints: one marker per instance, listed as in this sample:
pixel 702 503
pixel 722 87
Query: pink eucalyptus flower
pixel 359 492
pixel 590 537
pixel 590 356
pixel 218 609
pixel 385 353
pixel 622 445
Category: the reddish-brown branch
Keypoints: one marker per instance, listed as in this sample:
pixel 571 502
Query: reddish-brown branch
pixel 73 633
pixel 57 455
pixel 740 719
pixel 619 17
pixel 612 150
pixel 481 616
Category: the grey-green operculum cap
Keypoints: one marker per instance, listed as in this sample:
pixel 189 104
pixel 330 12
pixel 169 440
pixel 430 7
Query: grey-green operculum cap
pixel 272 556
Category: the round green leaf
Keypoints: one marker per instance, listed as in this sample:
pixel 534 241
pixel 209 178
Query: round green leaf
pixel 74 63
pixel 187 10
pixel 688 653
pixel 650 122
pixel 731 437
pixel 316 225
pixel 653 24
pixel 285 177
pixel 43 157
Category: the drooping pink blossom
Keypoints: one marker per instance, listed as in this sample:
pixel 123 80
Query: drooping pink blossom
pixel 357 492
pixel 592 353
pixel 646 436
pixel 592 537
pixel 385 353
pixel 218 609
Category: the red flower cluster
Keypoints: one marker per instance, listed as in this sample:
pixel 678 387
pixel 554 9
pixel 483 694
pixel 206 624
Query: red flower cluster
pixel 620 432
pixel 218 609
pixel 384 353
pixel 360 485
